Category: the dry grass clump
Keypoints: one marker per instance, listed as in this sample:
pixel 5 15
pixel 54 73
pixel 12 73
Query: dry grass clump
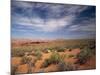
pixel 66 66
pixel 38 54
pixel 55 58
pixel 84 55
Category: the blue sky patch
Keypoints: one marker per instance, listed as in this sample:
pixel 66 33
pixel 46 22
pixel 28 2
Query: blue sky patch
pixel 52 21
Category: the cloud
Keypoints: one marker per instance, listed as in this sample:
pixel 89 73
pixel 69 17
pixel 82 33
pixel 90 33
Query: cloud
pixel 22 4
pixel 33 17
pixel 48 25
pixel 84 25
pixel 48 10
pixel 55 24
pixel 57 16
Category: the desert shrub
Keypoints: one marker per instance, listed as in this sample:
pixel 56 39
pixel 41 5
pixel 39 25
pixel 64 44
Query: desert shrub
pixel 84 55
pixel 50 49
pixel 62 66
pixel 38 54
pixel 46 63
pixel 70 56
pixel 92 45
pixel 55 58
pixel 62 49
pixel 32 53
pixel 26 59
pixel 66 66
pixel 20 53
pixel 81 47
pixel 70 49
pixel 47 50
pixel 59 49
pixel 17 53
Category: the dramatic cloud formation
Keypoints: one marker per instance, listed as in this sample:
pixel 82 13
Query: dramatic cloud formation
pixel 45 20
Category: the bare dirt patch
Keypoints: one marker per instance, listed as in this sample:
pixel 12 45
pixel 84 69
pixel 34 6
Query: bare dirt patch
pixel 16 61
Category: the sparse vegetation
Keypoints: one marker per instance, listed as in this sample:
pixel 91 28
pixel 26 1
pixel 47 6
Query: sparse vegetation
pixel 38 54
pixel 60 49
pixel 70 56
pixel 20 51
pixel 84 55
pixel 43 55
pixel 66 66
pixel 55 58
pixel 26 59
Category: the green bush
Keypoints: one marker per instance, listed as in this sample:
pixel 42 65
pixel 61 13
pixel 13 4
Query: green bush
pixel 91 45
pixel 84 55
pixel 66 67
pixel 47 50
pixel 26 59
pixel 50 49
pixel 60 49
pixel 55 58
pixel 38 54
pixel 18 53
pixel 70 56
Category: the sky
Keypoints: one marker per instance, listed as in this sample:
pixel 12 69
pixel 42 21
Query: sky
pixel 52 21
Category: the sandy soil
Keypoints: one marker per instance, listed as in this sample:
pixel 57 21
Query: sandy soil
pixel 16 61
pixel 22 68
pixel 90 64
